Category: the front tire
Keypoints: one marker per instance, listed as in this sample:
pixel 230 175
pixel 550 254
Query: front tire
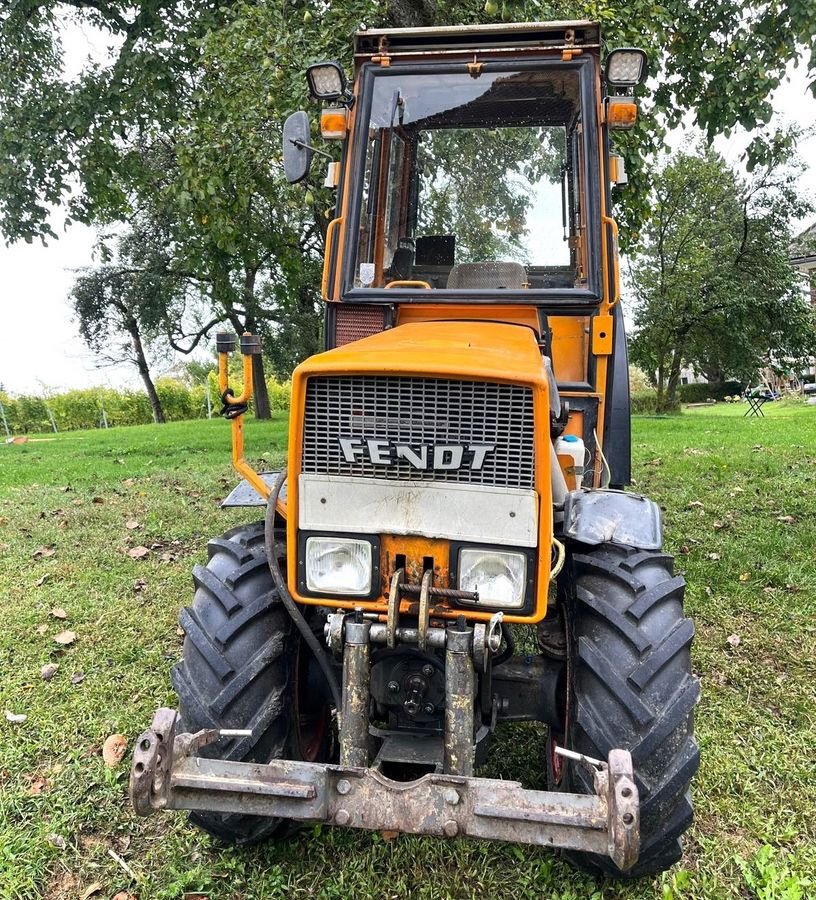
pixel 631 687
pixel 243 666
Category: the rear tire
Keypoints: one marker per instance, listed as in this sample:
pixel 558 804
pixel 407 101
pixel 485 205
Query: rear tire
pixel 631 687
pixel 240 668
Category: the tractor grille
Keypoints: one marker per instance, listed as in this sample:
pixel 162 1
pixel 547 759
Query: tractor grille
pixel 416 412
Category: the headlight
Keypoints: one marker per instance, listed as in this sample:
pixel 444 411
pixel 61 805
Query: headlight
pixel 338 566
pixel 500 577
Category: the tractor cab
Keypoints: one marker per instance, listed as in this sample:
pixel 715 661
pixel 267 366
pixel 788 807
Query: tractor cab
pixel 475 184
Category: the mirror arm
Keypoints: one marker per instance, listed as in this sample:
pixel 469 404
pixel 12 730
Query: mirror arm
pixel 313 149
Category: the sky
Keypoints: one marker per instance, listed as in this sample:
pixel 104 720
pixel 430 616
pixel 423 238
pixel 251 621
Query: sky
pixel 40 348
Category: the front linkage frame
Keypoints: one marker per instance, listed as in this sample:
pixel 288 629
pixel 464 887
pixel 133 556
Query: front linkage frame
pixel 167 773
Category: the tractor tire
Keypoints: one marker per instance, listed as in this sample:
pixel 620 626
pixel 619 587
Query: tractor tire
pixel 240 669
pixel 631 687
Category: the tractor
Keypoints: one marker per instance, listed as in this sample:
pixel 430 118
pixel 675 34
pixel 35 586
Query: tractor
pixel 449 548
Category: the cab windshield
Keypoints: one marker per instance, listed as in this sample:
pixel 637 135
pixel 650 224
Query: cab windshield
pixel 474 183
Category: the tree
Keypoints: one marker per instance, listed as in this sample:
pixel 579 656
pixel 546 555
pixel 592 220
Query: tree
pixel 126 305
pixel 713 283
pixel 74 140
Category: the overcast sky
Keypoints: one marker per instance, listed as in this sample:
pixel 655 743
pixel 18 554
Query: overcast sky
pixel 39 344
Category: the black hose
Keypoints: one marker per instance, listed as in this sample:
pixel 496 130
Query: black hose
pixel 292 608
pixel 510 646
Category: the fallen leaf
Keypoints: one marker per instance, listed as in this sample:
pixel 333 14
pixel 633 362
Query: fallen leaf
pixel 718 525
pixel 78 678
pixel 733 640
pixel 15 718
pixel 389 836
pixel 65 638
pixel 43 552
pixel 685 550
pixel 714 556
pixel 132 525
pixel 92 889
pixel 3 520
pixel 114 749
pixel 139 552
pixel 56 840
pixel 129 482
pixel 746 576
pixel 41 580
pixel 694 503
pixel 37 785
pixel 41 629
pixel 768 589
pixel 139 585
pixel 98 500
pixel 48 671
pixel 788 520
pixel 123 895
pixel 59 613
pixel 180 631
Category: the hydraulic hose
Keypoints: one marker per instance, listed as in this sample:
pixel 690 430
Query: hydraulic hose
pixel 292 608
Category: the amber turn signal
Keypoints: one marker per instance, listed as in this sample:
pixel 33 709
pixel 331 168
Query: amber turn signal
pixel 621 112
pixel 334 123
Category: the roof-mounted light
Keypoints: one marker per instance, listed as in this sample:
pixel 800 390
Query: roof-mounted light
pixel 626 66
pixel 327 81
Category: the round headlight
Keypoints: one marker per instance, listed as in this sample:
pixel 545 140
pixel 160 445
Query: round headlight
pixel 499 577
pixel 338 566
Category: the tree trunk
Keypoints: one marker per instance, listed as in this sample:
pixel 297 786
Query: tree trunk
pixel 673 382
pixel 144 371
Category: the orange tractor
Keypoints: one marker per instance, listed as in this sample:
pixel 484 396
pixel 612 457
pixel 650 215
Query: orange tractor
pixel 454 487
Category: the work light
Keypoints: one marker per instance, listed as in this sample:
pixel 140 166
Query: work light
pixel 626 67
pixel 326 80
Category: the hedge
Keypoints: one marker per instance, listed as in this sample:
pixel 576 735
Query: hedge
pixel 77 409
pixel 699 393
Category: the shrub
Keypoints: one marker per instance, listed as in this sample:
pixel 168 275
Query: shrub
pixel 699 393
pixel 645 403
pixel 638 380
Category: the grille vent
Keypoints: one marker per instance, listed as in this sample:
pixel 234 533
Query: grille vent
pixel 420 411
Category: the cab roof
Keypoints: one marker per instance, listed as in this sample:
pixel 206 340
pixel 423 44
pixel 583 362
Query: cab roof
pixel 499 36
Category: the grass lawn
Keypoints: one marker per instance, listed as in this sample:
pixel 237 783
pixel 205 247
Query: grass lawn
pixel 740 512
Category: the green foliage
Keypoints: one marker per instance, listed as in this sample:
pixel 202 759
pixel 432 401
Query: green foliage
pixel 769 877
pixel 713 283
pixel 198 70
pixel 644 403
pixel 82 408
pixel 699 393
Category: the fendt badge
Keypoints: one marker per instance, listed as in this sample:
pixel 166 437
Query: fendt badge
pixel 381 452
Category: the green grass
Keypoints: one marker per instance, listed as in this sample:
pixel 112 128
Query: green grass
pixel 738 496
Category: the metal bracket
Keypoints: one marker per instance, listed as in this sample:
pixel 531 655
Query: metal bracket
pixel 424 610
pixel 393 608
pixel 606 823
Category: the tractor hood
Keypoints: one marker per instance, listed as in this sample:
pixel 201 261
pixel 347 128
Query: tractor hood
pixel 484 351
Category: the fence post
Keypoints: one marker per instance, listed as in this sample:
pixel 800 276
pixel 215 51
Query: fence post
pixel 104 418
pixel 51 417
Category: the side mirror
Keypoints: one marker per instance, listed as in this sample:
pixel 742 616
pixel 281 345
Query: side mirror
pixel 297 154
